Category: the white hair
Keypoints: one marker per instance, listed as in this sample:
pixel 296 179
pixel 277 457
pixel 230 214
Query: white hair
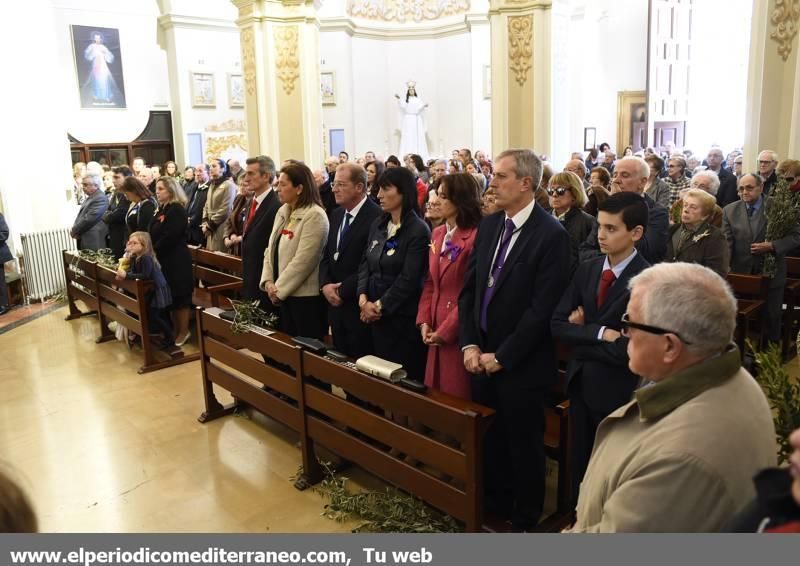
pixel 95 179
pixel 690 300
pixel 712 176
pixel 644 167
pixel 773 155
pixel 94 168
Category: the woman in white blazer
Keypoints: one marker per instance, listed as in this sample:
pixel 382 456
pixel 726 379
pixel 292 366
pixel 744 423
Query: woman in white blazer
pixel 291 262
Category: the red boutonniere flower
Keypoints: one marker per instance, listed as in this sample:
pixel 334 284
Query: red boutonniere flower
pixel 288 233
pixel 162 217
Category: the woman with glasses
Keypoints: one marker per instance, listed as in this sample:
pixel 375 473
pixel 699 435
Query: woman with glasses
pixel 567 199
pixel 694 239
pixel 599 189
pixel 437 316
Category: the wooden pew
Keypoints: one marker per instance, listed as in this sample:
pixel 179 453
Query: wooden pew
pixel 274 390
pixel 220 274
pixel 751 294
pixel 81 278
pixel 791 316
pixel 295 396
pixel 462 421
pixel 125 302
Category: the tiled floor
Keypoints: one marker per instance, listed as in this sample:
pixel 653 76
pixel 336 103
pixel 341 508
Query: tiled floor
pixel 101 448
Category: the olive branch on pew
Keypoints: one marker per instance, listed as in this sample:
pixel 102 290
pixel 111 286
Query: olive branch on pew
pixel 247 314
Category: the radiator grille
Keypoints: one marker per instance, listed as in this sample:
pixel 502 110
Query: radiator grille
pixel 43 269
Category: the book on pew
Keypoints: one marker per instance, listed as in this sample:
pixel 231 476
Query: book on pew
pixel 378 367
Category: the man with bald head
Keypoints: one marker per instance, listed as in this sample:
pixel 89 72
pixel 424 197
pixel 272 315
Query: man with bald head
pixel 146 177
pixel 631 175
pixel 578 167
pixel 744 224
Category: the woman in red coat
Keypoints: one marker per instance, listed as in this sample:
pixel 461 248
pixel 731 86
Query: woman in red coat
pixel 450 248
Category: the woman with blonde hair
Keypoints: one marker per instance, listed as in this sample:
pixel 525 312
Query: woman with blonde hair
pixel 291 262
pixel 567 199
pixel 168 231
pixel 694 239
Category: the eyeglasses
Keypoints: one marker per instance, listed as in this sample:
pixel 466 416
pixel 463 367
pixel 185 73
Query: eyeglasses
pixel 790 179
pixel 627 324
pixel 558 191
pixel 767 162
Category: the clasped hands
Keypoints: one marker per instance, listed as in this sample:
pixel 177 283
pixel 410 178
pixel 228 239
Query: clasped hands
pixel 369 310
pixel 232 240
pixel 476 361
pixel 761 248
pixel 576 317
pixel 430 337
pixel 272 292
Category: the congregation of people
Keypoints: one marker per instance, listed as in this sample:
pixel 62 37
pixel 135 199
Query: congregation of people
pixel 472 273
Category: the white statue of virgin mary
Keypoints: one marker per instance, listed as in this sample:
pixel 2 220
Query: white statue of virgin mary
pixel 412 126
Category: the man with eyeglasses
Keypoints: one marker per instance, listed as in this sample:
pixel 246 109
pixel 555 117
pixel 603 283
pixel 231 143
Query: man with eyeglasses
pixel 744 224
pixel 631 175
pixel 89 228
pixel 681 455
pixel 767 163
pixel 338 270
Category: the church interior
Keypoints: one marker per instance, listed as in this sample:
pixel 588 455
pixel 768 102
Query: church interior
pixel 214 440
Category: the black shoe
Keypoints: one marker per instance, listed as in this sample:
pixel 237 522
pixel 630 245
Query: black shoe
pixel 4 310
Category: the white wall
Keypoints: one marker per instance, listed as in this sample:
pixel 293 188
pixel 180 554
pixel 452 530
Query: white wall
pixel 369 72
pixel 143 65
pixel 718 75
pixel 608 54
pixel 206 50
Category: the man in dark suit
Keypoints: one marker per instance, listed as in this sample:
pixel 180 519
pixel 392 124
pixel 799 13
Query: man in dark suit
pixel 588 320
pixel 338 270
pixel 515 277
pixel 726 193
pixel 630 175
pixel 194 208
pixel 744 224
pixel 259 173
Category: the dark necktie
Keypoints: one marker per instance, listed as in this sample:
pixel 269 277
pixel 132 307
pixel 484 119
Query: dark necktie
pixel 499 261
pixel 750 210
pixel 346 227
pixel 606 280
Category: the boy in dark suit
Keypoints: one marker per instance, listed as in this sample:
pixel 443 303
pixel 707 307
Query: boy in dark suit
pixel 588 320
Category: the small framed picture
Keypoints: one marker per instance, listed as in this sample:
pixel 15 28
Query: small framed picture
pixel 203 94
pixel 589 138
pixel 235 90
pixel 327 85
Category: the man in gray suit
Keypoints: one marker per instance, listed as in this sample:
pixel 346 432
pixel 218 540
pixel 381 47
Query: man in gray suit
pixel 89 228
pixel 744 224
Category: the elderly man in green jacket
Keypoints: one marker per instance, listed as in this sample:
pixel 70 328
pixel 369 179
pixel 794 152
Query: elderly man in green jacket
pixel 680 457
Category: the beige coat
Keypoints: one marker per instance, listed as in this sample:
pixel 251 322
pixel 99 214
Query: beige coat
pixel 216 212
pixel 681 457
pixel 298 256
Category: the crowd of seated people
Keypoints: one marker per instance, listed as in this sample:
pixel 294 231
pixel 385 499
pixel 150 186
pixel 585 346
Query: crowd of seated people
pixel 467 270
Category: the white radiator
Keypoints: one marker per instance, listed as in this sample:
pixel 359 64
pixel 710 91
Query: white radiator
pixel 42 266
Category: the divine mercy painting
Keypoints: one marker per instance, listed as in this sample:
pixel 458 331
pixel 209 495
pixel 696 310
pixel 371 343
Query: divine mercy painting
pixel 98 63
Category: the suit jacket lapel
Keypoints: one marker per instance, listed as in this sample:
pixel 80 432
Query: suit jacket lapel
pixel 593 283
pixel 484 260
pixel 620 286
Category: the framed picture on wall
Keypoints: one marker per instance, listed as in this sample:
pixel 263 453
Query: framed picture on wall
pixel 631 114
pixel 98 66
pixel 203 94
pixel 327 85
pixel 235 90
pixel 589 138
